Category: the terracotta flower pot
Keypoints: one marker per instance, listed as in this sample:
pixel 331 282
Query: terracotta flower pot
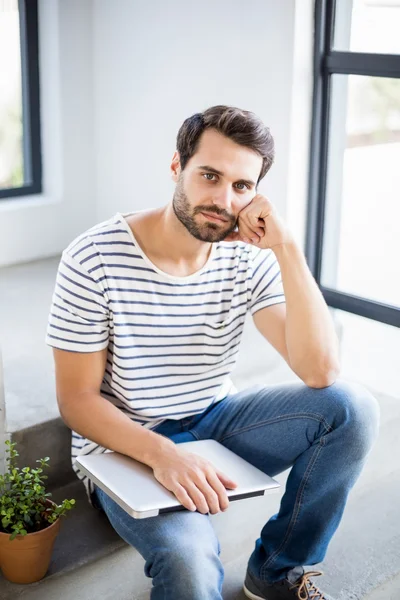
pixel 26 559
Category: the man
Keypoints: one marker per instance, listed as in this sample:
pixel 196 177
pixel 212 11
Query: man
pixel 146 320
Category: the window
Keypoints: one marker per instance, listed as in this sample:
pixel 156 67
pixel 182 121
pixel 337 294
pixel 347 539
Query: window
pixel 353 228
pixel 20 147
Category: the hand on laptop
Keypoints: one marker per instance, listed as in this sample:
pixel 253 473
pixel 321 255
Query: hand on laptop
pixel 193 480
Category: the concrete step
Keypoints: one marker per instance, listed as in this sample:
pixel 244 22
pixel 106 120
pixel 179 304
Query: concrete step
pixel 87 543
pixel 85 536
pixel 53 439
pixel 90 560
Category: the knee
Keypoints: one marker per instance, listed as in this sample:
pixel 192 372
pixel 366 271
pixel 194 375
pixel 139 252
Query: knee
pixel 355 411
pixel 188 569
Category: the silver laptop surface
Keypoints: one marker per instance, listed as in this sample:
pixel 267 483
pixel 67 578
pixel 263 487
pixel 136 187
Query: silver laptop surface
pixel 133 486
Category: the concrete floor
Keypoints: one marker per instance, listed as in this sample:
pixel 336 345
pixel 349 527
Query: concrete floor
pixel 363 560
pixel 388 591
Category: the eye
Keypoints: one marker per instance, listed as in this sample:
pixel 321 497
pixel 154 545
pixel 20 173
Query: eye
pixel 206 175
pixel 246 187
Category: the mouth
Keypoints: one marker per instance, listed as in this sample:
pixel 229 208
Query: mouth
pixel 213 218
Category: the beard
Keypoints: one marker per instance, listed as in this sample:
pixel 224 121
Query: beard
pixel 205 231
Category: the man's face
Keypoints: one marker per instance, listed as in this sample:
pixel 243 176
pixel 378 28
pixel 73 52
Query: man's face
pixel 218 182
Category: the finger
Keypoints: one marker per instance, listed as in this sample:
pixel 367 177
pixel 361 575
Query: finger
pixel 227 481
pixel 256 229
pixel 247 234
pixel 255 221
pixel 197 497
pixel 220 490
pixel 183 497
pixel 260 230
pixel 210 495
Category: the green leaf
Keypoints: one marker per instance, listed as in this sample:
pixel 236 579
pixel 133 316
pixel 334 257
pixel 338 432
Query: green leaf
pixel 22 498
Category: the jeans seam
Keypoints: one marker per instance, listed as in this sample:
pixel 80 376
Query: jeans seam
pixel 121 523
pixel 194 432
pixel 297 507
pixel 313 416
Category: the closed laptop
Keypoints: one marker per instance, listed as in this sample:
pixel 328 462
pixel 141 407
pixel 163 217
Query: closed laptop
pixel 133 486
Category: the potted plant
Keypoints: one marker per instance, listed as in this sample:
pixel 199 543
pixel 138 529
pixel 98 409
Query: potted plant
pixel 29 521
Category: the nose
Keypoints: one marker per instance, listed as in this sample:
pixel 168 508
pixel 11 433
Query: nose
pixel 223 198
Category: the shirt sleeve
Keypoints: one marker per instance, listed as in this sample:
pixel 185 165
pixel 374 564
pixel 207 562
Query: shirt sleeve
pixel 79 313
pixel 267 287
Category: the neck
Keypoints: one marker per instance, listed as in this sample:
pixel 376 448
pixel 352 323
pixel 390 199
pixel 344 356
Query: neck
pixel 175 242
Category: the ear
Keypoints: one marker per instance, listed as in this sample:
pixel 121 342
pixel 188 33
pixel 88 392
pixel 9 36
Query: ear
pixel 175 167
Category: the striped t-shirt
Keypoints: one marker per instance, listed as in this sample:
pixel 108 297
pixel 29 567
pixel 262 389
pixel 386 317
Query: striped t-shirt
pixel 171 341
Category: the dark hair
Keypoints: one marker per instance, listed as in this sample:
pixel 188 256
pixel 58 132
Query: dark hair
pixel 241 126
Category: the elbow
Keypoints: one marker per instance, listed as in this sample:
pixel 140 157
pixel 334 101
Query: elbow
pixel 62 411
pixel 323 378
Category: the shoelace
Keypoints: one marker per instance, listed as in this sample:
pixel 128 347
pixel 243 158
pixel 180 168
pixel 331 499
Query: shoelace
pixel 307 590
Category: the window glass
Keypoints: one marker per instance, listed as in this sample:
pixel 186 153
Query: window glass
pixel 367 26
pixel 11 142
pixel 361 247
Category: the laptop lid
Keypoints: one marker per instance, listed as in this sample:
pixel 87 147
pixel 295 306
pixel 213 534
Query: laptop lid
pixel 133 486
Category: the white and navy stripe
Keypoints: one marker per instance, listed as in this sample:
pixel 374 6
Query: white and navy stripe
pixel 171 342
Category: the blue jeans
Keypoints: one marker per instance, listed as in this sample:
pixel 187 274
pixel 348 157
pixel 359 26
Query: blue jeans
pixel 323 434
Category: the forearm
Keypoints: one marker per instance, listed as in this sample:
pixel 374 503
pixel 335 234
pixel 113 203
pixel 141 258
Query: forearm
pixel 311 339
pixel 97 419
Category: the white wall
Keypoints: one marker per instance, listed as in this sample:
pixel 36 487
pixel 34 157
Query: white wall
pixel 157 63
pixel 38 226
pixel 300 119
pixel 117 80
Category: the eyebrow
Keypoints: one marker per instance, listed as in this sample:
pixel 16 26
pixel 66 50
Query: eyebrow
pixel 212 170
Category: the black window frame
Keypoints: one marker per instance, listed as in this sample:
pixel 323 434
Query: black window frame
pixel 327 62
pixel 32 147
